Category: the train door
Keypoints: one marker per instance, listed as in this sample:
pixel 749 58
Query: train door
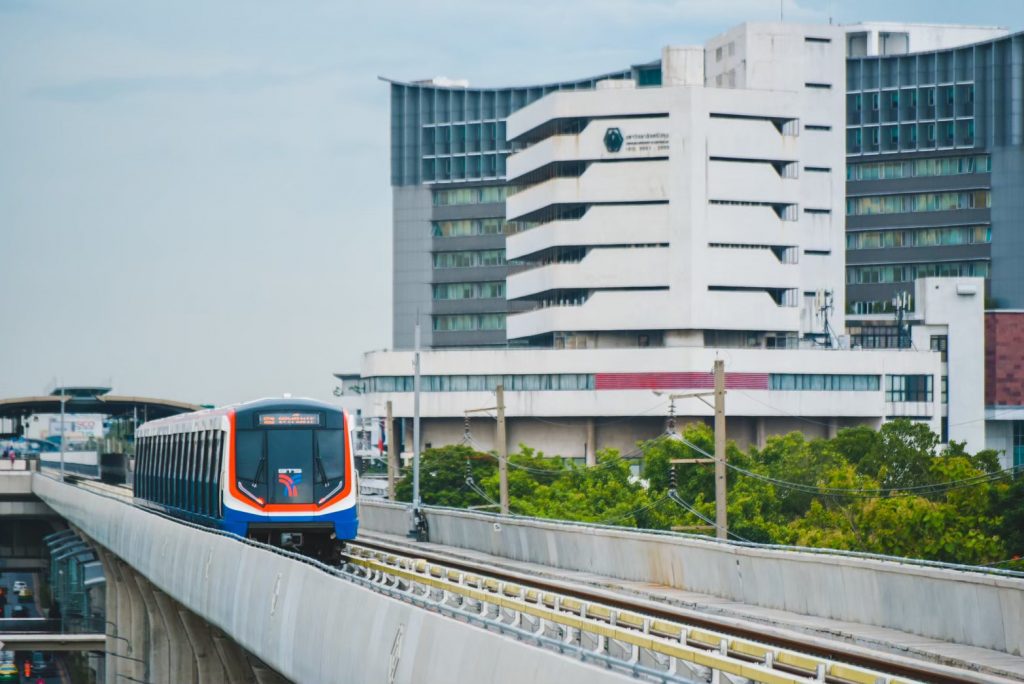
pixel 290 466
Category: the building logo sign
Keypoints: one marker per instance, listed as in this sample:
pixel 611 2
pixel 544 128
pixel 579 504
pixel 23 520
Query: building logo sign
pixel 647 143
pixel 613 140
pixel 290 478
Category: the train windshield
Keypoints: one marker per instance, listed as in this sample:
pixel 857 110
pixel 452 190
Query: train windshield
pixel 289 465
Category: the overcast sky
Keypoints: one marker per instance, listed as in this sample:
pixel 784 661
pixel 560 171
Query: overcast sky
pixel 194 196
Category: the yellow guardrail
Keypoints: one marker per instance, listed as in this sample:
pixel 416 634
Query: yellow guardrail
pixel 717 651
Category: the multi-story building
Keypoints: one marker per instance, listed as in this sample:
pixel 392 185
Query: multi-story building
pixel 448 156
pixel 934 128
pixel 654 222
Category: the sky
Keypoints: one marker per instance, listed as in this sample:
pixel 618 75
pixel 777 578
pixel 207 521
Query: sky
pixel 194 196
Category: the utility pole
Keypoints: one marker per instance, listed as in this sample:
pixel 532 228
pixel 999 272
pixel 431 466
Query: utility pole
pixel 416 421
pixel 721 522
pixel 502 451
pixel 500 444
pixel 721 518
pixel 392 466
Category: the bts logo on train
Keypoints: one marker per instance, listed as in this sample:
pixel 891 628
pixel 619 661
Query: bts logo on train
pixel 290 478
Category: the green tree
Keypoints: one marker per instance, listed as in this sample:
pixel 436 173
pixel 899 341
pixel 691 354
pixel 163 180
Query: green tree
pixel 899 456
pixel 604 493
pixel 443 473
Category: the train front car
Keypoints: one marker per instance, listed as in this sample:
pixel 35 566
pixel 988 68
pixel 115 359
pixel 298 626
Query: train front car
pixel 291 476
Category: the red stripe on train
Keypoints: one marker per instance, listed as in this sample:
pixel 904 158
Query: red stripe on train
pixel 625 381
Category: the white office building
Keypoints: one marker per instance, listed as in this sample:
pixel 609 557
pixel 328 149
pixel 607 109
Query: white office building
pixel 652 230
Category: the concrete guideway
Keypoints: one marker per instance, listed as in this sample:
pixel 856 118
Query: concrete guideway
pixel 306 623
pixel 968 608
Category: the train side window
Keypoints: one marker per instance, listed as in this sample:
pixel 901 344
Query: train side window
pixel 172 455
pixel 218 464
pixel 207 443
pixel 187 479
pixel 147 445
pixel 199 487
pixel 147 458
pixel 193 479
pixel 158 459
pixel 158 455
pixel 140 462
pixel 148 468
pixel 210 458
pixel 179 457
pixel 165 469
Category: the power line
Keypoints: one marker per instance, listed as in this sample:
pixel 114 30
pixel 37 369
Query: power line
pixel 674 495
pixel 937 488
pixel 639 509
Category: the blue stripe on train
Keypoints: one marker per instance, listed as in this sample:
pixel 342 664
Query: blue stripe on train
pixel 346 523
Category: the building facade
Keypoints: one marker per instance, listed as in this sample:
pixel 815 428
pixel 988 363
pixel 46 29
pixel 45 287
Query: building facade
pixel 651 223
pixel 448 169
pixel 934 128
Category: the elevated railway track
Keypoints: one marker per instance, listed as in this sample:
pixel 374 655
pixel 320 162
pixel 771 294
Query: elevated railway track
pixel 646 639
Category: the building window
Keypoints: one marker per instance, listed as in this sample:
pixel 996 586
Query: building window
pixel 919 237
pixel 468 228
pixel 904 388
pixel 485 290
pixel 919 168
pixel 940 343
pixel 918 202
pixel 483 383
pixel 469 322
pixel 458 196
pixel 1018 443
pixel 469 259
pixel 817 382
pixel 906 273
pixel 874 337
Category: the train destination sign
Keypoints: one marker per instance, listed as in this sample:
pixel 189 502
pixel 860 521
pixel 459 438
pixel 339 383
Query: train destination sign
pixel 287 419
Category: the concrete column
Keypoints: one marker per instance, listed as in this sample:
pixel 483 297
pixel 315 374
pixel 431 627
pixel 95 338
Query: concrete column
pixel 138 641
pixel 117 664
pixel 208 665
pixel 591 443
pixel 833 427
pixel 158 656
pixel 109 609
pixel 232 658
pixel 182 660
pixel 761 435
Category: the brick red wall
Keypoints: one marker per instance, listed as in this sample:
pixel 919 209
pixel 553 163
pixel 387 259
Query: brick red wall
pixel 1004 358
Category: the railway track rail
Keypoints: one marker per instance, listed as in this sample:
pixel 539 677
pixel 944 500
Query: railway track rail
pixel 619 618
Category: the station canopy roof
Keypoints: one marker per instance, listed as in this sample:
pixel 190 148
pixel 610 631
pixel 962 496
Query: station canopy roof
pixel 93 400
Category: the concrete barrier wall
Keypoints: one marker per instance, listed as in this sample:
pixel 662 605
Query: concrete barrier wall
pixel 308 625
pixel 961 607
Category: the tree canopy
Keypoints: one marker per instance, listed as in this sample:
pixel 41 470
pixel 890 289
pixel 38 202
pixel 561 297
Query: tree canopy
pixel 888 491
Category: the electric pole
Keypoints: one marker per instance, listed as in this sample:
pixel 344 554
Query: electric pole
pixel 721 522
pixel 502 451
pixel 392 465
pixel 416 421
